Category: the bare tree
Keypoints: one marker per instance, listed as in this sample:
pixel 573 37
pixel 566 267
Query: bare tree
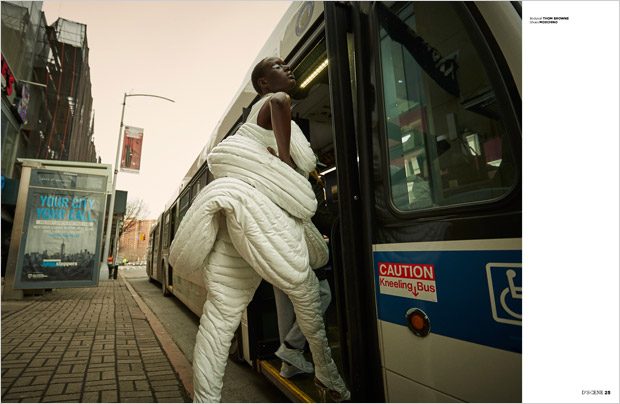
pixel 136 210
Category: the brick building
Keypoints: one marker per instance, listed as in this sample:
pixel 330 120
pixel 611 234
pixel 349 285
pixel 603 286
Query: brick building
pixel 134 242
pixel 46 97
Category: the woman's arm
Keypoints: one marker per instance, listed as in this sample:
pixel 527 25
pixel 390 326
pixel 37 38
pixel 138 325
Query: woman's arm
pixel 275 114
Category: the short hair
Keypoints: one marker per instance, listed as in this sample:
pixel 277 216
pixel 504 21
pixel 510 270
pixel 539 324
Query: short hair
pixel 257 73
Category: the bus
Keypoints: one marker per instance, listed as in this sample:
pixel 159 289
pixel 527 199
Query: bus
pixel 414 112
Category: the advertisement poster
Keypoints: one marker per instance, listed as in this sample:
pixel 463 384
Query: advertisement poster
pixel 62 241
pixel 132 149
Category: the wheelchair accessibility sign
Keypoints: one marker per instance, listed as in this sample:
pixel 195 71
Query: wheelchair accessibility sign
pixel 505 291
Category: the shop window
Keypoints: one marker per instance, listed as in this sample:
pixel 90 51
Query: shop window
pixel 10 133
pixel 447 144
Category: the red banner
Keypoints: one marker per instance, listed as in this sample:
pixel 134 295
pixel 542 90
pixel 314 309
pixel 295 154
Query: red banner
pixel 132 149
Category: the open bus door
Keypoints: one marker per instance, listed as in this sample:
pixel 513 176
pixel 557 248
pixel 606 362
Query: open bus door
pixel 355 341
pixel 346 37
pixel 352 325
pixel 426 108
pixel 446 198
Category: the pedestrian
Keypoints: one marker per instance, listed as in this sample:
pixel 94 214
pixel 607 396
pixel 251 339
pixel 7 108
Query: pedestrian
pixel 110 266
pixel 251 223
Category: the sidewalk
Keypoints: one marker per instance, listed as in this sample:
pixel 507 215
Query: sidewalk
pixel 84 345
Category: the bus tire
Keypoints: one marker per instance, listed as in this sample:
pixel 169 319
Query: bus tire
pixel 164 281
pixel 164 289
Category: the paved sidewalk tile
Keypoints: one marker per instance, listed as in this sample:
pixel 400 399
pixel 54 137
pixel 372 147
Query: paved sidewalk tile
pixel 91 345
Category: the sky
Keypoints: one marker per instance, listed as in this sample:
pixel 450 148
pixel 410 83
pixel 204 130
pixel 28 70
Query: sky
pixel 194 52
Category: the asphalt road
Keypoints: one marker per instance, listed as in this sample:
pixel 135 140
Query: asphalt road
pixel 241 382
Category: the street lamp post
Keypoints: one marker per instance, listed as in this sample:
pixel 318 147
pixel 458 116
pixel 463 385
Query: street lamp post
pixel 116 159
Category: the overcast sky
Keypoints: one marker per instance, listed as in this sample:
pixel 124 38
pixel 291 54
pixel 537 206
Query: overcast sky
pixel 194 52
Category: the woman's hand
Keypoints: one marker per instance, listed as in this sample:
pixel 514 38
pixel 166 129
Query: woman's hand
pixel 291 164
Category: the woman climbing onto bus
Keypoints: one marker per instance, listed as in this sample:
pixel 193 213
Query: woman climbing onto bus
pixel 253 222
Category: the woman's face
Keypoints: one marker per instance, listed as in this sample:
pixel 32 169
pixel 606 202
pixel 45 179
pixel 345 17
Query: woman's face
pixel 278 75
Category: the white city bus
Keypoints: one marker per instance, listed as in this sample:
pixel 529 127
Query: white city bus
pixel 414 111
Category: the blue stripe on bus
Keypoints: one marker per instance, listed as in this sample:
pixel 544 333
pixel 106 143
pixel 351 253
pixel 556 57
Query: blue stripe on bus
pixel 463 308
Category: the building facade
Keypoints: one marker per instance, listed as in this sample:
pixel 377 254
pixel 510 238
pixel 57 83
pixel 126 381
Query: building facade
pixel 23 36
pixel 69 133
pixel 46 97
pixel 133 243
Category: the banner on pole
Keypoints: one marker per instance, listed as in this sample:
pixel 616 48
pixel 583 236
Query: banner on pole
pixel 132 149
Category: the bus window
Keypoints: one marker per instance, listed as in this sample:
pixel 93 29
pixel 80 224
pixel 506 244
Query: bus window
pixel 174 223
pixel 166 231
pixel 195 189
pixel 446 141
pixel 166 227
pixel 184 203
pixel 204 179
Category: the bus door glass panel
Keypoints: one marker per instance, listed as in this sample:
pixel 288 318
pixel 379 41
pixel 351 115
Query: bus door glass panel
pixel 157 250
pixel 446 142
pixel 156 246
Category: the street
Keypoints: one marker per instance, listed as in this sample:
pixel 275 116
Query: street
pixel 241 382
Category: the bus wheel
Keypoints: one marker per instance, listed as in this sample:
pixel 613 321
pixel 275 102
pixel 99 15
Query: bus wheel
pixel 164 288
pixel 164 281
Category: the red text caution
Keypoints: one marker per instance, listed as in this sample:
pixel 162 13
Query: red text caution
pixel 410 271
pixel 412 281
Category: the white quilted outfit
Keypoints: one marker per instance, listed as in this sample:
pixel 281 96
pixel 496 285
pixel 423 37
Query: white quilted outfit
pixel 253 222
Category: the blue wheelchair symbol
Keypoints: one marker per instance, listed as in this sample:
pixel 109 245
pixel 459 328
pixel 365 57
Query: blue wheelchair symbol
pixel 505 292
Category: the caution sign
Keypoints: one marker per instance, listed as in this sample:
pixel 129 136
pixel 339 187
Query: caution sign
pixel 413 281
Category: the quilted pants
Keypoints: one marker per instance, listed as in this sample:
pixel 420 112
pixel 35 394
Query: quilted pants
pixel 223 310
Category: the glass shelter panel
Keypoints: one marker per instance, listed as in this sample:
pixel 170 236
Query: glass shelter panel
pixel 446 141
pixel 63 230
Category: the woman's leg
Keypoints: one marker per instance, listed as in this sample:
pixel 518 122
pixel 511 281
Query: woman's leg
pixel 229 290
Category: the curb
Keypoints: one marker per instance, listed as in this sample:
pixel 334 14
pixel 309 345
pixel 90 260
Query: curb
pixel 178 361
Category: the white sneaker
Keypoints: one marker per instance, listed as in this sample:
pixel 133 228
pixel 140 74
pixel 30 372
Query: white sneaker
pixel 287 371
pixel 294 357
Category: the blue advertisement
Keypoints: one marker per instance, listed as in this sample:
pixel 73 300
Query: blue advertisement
pixel 61 244
pixel 471 295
